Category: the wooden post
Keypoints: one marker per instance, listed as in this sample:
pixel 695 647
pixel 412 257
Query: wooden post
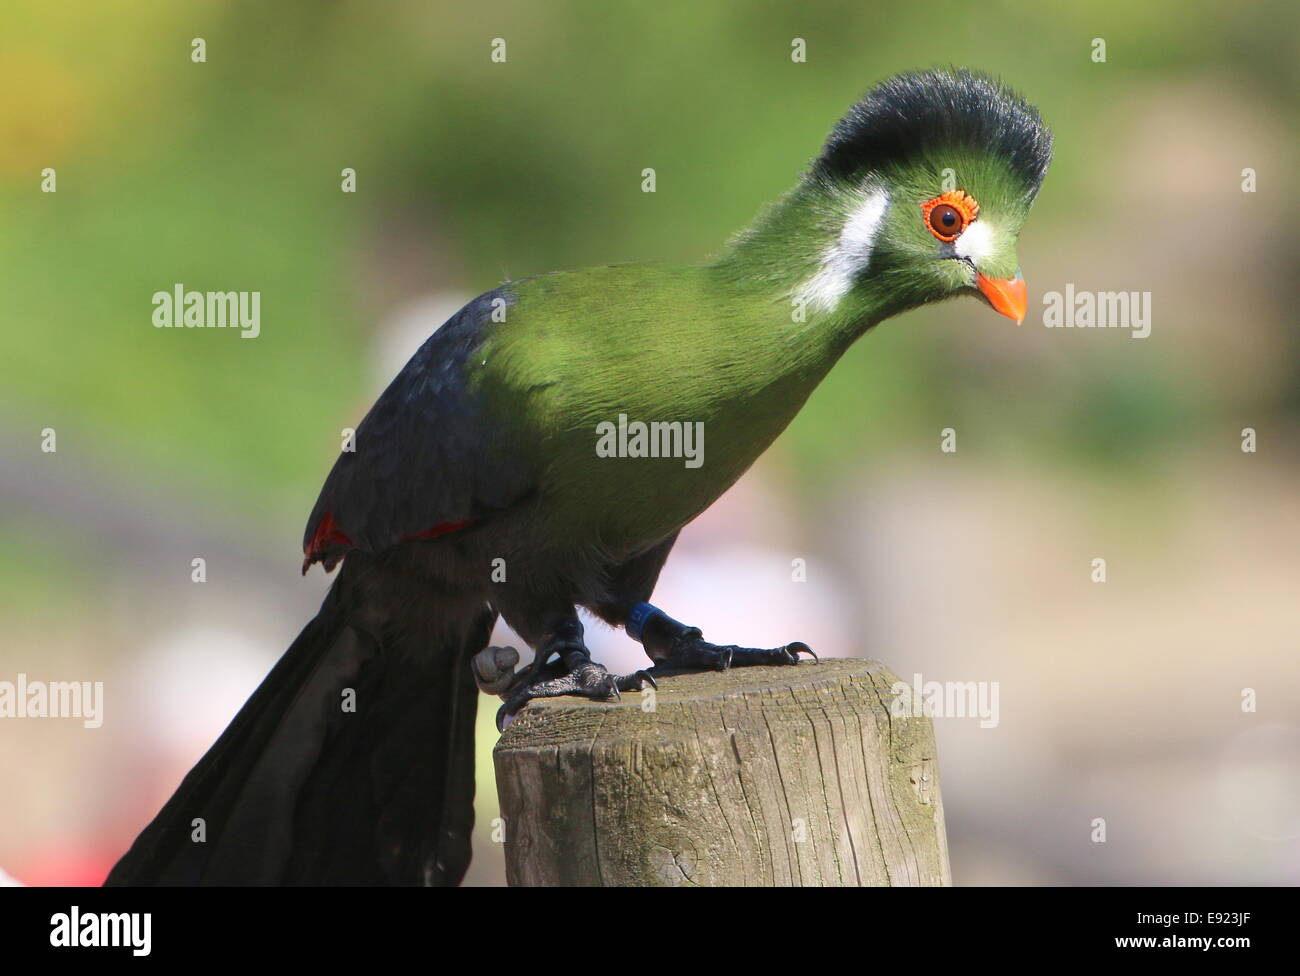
pixel 754 776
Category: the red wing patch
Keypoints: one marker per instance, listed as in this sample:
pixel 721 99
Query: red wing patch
pixel 442 528
pixel 329 536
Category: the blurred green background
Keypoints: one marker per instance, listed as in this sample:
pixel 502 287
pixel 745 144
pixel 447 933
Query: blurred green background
pixel 1120 701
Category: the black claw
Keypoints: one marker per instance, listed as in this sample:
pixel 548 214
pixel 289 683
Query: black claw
pixel 635 681
pixel 799 647
pixel 502 715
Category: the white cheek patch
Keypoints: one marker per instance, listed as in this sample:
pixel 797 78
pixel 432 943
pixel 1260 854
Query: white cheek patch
pixel 975 242
pixel 848 257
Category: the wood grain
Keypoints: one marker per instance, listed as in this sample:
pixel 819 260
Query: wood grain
pixel 754 776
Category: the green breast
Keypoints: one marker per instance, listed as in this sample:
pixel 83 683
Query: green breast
pixel 596 372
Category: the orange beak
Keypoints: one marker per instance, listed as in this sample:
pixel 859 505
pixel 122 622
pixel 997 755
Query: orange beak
pixel 1007 295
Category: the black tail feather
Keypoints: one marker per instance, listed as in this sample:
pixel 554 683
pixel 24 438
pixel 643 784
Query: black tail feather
pixel 352 763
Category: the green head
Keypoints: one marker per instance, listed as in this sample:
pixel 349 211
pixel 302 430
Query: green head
pixel 918 196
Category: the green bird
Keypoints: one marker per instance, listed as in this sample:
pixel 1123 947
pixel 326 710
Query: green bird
pixel 542 451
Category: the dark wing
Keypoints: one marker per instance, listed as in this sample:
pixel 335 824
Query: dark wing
pixel 427 459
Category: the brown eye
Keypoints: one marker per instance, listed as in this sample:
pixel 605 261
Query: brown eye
pixel 946 222
pixel 948 214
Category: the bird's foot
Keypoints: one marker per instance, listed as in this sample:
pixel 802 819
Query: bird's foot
pixel 673 645
pixel 573 673
pixel 692 652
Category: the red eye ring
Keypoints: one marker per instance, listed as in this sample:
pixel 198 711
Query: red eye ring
pixel 948 214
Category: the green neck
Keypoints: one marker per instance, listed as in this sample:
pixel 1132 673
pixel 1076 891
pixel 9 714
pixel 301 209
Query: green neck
pixel 784 247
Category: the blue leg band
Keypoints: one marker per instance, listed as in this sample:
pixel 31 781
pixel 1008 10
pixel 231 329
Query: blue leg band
pixel 637 618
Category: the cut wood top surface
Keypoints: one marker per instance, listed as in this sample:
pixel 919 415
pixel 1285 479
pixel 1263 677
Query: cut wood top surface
pixel 836 686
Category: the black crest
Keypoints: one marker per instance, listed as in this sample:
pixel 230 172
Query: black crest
pixel 930 111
